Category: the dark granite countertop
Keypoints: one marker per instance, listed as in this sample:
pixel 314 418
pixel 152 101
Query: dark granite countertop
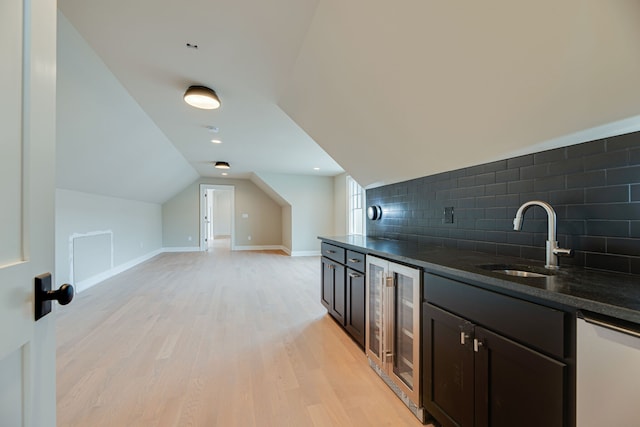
pixel 611 294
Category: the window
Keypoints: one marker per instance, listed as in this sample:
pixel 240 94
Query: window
pixel 355 207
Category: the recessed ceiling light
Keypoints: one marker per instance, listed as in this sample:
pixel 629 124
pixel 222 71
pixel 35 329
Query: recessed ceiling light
pixel 224 174
pixel 316 169
pixel 216 141
pixel 202 97
pixel 222 165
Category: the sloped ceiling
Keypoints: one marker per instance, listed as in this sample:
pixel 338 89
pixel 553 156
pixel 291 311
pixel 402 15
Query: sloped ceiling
pixel 246 50
pixel 390 90
pixel 397 90
pixel 106 144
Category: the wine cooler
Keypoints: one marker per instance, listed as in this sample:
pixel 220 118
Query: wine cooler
pixel 393 328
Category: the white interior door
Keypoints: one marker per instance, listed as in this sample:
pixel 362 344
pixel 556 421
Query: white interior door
pixel 27 158
pixel 210 218
pixel 204 224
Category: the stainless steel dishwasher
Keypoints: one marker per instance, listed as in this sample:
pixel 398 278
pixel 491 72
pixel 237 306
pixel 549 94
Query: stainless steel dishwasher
pixel 608 372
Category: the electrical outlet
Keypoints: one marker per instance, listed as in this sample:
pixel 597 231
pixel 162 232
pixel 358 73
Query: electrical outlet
pixel 448 215
pixel 189 238
pixel 248 237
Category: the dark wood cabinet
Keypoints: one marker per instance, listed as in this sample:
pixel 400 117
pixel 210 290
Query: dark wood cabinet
pixel 516 385
pixel 355 310
pixel 449 367
pixel 343 288
pixel 333 293
pixel 474 375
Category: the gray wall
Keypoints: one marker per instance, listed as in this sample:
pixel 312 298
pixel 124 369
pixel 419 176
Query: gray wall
pixel 312 208
pixel 287 239
pixel 135 227
pixel 181 222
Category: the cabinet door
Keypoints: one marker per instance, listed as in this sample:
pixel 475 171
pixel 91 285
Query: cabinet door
pixel 448 367
pixel 333 289
pixel 517 386
pixel 326 283
pixel 339 306
pixel 355 312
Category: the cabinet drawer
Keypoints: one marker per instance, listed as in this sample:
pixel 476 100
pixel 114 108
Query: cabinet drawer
pixel 532 324
pixel 333 252
pixel 355 260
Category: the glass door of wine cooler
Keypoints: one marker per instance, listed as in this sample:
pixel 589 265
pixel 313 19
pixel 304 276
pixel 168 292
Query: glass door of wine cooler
pixel 406 329
pixel 376 271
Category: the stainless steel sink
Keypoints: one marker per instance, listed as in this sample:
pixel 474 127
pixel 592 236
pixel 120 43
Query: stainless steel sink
pixel 517 270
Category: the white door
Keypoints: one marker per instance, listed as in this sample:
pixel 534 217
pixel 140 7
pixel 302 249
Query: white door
pixel 27 158
pixel 204 218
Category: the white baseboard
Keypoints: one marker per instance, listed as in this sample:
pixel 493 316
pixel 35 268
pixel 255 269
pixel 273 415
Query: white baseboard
pixel 182 249
pixel 259 248
pixel 94 280
pixel 85 284
pixel 306 253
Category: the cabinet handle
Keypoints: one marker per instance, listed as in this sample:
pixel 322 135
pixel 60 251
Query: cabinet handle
pixel 354 275
pixel 477 344
pixel 610 326
pixel 389 350
pixel 353 260
pixel 463 337
pixel 329 251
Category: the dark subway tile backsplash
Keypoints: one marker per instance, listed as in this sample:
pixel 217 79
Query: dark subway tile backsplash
pixel 622 142
pixel 587 179
pixel 610 194
pixel 629 175
pixel 594 188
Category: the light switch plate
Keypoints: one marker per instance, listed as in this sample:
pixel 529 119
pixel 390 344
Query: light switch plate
pixel 448 215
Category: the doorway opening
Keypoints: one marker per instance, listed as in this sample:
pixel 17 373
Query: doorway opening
pixel 217 225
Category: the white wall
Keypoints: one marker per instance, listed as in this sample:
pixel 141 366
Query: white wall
pixel 130 230
pixel 341 227
pixel 312 208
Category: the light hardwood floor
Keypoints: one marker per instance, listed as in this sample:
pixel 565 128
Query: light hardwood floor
pixel 214 339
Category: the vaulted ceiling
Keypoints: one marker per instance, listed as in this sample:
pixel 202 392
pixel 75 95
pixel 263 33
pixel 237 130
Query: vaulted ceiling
pixel 390 90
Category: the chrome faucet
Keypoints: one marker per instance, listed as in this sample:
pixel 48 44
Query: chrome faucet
pixel 553 251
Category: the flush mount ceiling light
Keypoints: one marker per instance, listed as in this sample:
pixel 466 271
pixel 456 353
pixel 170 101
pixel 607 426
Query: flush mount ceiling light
pixel 202 97
pixel 216 141
pixel 222 165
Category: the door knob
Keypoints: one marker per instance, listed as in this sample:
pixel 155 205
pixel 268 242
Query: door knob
pixel 63 295
pixel 44 295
